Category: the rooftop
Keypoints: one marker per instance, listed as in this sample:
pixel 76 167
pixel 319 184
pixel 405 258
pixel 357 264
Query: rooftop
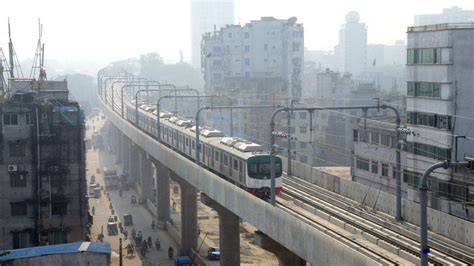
pixel 55 249
pixel 444 26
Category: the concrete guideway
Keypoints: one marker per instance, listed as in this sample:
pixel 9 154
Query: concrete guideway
pixel 304 240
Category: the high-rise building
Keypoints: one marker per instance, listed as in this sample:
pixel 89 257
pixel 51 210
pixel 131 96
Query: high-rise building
pixel 262 49
pixel 449 15
pixel 440 84
pixel 352 48
pixel 206 16
pixel 42 165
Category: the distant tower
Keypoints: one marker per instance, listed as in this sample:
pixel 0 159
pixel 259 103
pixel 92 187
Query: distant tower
pixel 352 49
pixel 205 14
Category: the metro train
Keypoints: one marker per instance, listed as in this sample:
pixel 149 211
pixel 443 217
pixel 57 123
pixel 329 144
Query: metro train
pixel 239 161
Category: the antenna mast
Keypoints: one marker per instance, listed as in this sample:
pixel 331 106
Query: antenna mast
pixel 10 50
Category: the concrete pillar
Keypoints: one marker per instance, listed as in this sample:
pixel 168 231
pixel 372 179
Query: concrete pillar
pixel 126 150
pixel 284 255
pixel 189 232
pixel 163 191
pixel 229 232
pixel 134 163
pixel 119 148
pixel 146 178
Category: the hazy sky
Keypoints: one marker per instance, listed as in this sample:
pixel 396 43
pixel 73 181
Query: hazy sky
pixel 106 30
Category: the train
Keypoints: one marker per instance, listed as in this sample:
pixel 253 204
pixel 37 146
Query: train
pixel 241 162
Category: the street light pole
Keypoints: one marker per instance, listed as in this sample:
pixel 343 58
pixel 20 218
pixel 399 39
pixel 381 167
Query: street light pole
pixel 424 248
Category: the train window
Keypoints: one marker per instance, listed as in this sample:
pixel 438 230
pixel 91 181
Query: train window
pixel 241 166
pixel 192 144
pixel 253 169
pixel 216 156
pixel 236 165
pixel 175 135
pixel 187 142
pixel 226 160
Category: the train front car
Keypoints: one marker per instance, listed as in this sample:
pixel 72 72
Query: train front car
pixel 258 175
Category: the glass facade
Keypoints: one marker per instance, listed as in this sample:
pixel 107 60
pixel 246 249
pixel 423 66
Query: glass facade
pixel 424 56
pixel 424 89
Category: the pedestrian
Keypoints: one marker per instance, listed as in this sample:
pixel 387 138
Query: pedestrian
pixel 153 225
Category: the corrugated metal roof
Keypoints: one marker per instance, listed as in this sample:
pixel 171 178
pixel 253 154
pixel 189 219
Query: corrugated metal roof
pixel 55 249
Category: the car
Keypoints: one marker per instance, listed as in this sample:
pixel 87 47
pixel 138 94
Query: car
pixel 214 253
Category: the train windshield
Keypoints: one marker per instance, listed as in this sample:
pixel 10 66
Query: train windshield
pixel 260 169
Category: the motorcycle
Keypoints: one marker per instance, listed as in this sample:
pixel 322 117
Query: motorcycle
pixel 170 253
pixel 157 244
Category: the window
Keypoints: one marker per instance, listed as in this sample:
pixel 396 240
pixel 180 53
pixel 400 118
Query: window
pixel 246 35
pixel 241 166
pixel 384 169
pixel 429 151
pixel 362 164
pixel 424 89
pixel 302 145
pixel 247 61
pixel 374 138
pixel 393 142
pixel 20 239
pixel 236 165
pixel 430 120
pixel 355 135
pixel 394 172
pixel 17 149
pixel 192 144
pixel 187 142
pixel 292 130
pixel 229 34
pixel 10 119
pixel 296 46
pixel 303 130
pixel 17 179
pixel 302 115
pixel 375 167
pixel 216 49
pixel 226 160
pixel 385 140
pixel 216 63
pixel 424 56
pixel 19 208
pixel 412 178
pixel 247 48
pixel 59 208
pixel 28 119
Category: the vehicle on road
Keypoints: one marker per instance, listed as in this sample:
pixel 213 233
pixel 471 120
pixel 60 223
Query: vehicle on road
pixel 111 178
pixel 214 253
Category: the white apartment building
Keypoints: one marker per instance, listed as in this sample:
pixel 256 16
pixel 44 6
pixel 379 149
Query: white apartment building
pixel 207 15
pixel 262 49
pixel 440 82
pixel 352 48
pixel 449 15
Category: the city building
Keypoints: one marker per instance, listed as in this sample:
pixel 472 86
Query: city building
pixel 440 91
pixel 206 16
pixel 42 162
pixel 449 15
pixel 261 49
pixel 374 154
pixel 352 48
